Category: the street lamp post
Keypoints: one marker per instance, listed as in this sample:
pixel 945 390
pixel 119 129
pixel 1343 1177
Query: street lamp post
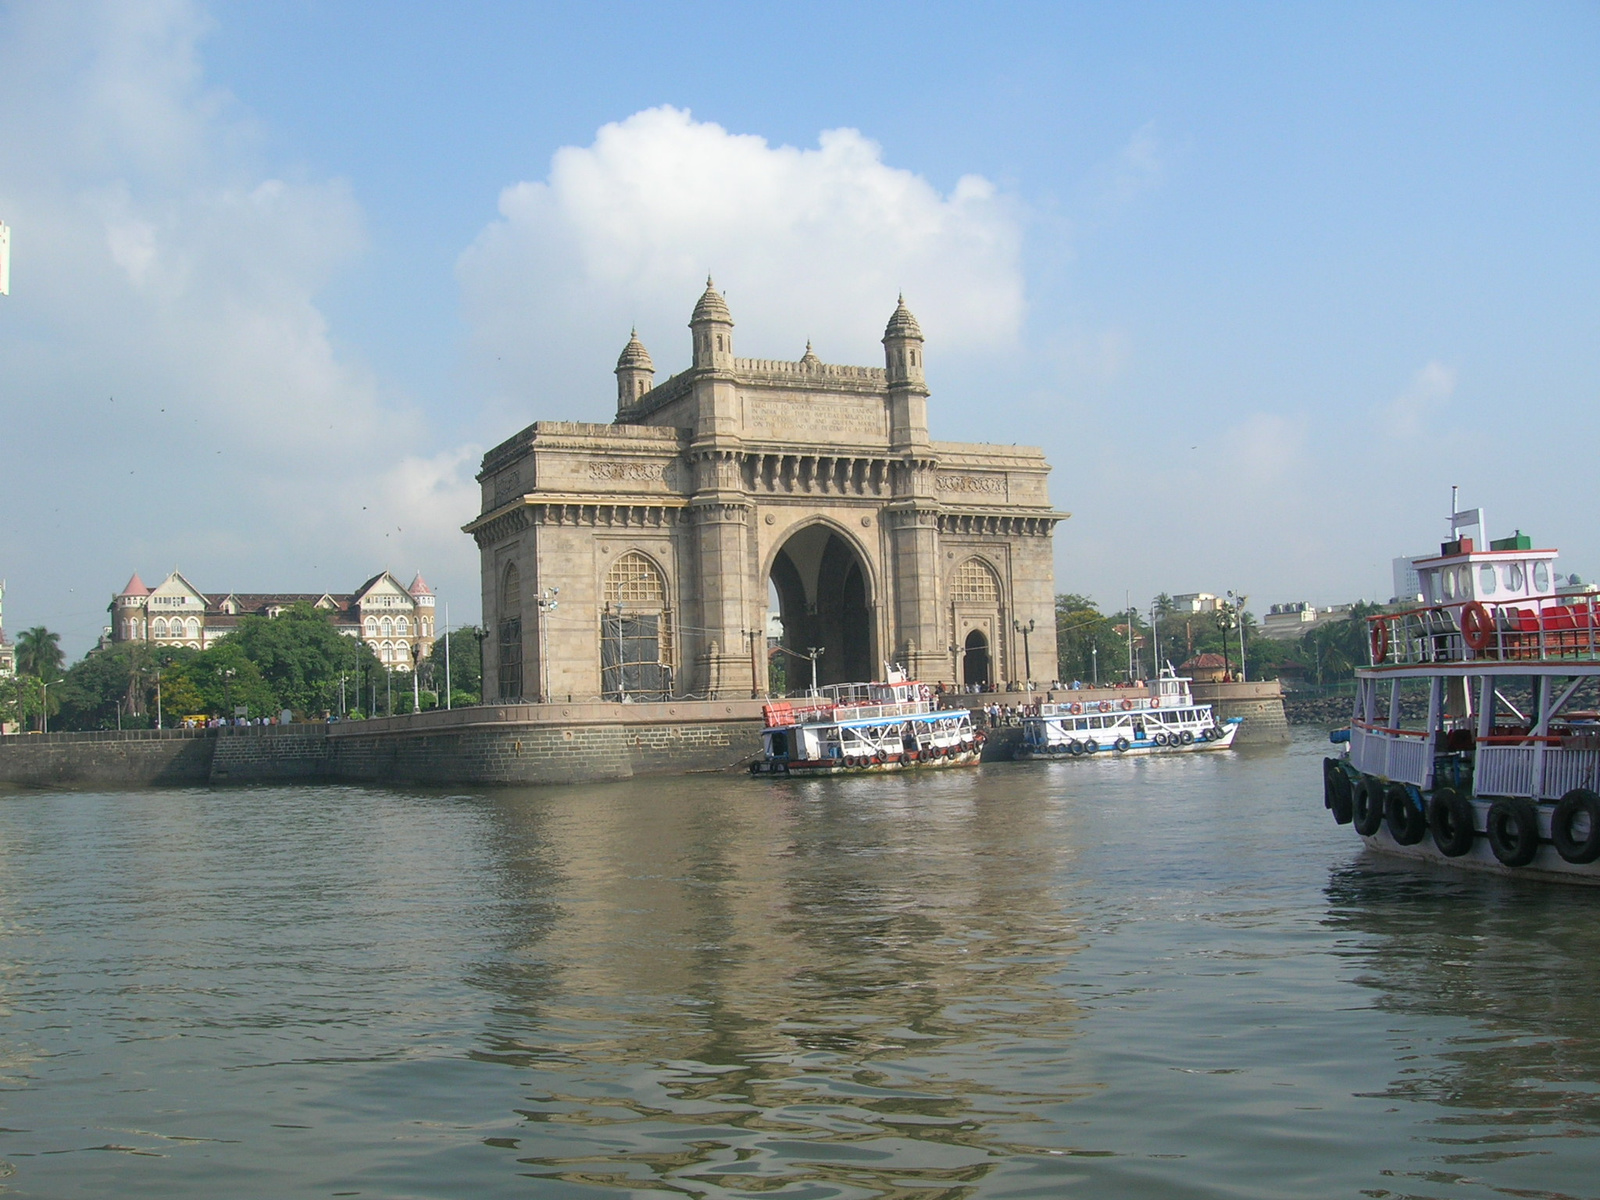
pixel 814 653
pixel 547 605
pixel 416 686
pixel 1239 602
pixel 1027 658
pixel 1094 653
pixel 44 713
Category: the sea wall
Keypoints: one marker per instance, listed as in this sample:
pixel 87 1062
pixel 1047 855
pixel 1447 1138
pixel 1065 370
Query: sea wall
pixel 1260 704
pixel 513 744
pixel 136 758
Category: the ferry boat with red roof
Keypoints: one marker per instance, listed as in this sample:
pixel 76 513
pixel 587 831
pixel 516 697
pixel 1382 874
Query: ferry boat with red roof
pixel 860 727
pixel 1474 738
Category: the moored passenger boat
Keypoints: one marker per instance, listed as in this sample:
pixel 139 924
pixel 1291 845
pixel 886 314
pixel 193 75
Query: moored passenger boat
pixel 1474 739
pixel 850 727
pixel 1167 721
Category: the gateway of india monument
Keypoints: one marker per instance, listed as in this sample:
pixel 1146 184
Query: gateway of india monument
pixel 636 559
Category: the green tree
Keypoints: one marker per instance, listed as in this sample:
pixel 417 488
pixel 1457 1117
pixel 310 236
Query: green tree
pixel 1082 631
pixel 221 679
pixel 118 683
pixel 300 657
pixel 466 665
pixel 39 653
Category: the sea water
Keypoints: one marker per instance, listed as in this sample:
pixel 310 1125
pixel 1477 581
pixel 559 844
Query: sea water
pixel 1169 977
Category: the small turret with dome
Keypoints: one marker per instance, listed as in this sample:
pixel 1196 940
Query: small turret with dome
pixel 636 374
pixel 902 347
pixel 712 325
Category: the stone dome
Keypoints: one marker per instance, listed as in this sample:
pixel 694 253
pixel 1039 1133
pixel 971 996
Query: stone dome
pixel 712 307
pixel 635 356
pixel 809 360
pixel 902 324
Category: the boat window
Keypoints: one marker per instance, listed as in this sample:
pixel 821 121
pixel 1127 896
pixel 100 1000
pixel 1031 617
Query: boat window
pixel 1541 577
pixel 1449 578
pixel 1513 575
pixel 1486 579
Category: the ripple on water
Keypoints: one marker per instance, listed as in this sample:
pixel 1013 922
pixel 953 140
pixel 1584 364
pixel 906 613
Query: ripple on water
pixel 1140 979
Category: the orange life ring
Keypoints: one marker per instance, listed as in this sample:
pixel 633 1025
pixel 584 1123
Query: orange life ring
pixel 1105 706
pixel 1076 709
pixel 1476 626
pixel 1380 641
pixel 1155 701
pixel 1126 705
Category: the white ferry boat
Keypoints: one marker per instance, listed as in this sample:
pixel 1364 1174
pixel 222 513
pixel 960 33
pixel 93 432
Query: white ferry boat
pixel 1167 721
pixel 1474 738
pixel 847 727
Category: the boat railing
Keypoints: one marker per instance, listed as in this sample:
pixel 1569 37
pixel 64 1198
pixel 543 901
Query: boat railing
pixel 1538 770
pixel 1539 629
pixel 1401 754
pixel 810 712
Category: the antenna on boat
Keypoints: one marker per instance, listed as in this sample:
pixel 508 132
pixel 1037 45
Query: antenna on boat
pixel 1454 508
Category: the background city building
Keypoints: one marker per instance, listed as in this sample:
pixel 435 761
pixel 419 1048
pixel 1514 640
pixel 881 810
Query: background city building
pixel 8 652
pixel 394 620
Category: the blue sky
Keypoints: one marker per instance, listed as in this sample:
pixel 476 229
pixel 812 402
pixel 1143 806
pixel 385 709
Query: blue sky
pixel 1264 281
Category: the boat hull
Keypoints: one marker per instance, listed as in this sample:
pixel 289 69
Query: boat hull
pixel 1061 753
pixel 1546 864
pixel 778 767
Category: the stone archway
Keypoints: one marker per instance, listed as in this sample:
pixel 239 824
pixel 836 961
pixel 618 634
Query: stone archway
pixel 821 585
pixel 975 660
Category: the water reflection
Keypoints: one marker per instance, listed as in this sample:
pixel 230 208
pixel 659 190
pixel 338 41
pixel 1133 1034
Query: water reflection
pixel 818 983
pixel 1487 993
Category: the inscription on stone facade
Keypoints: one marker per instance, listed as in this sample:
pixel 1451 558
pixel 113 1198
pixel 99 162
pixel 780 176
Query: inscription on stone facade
pixel 506 485
pixel 994 485
pixel 632 472
pixel 813 418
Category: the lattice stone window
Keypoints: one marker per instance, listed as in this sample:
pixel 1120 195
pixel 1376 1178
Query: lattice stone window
pixel 976 584
pixel 635 630
pixel 636 581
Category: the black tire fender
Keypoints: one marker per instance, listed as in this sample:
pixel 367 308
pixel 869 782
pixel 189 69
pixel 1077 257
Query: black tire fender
pixel 1122 745
pixel 1513 829
pixel 1186 738
pixel 1367 806
pixel 1570 810
pixel 1407 823
pixel 1453 822
pixel 1336 791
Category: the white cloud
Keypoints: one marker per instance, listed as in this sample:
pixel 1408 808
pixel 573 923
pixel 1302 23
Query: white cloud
pixel 168 366
pixel 807 243
pixel 1415 408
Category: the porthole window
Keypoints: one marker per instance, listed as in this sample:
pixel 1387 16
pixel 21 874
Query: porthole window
pixel 1541 577
pixel 1486 580
pixel 1449 583
pixel 1513 577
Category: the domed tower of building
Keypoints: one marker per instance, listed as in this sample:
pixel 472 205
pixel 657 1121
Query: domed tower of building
pixel 908 394
pixel 712 325
pixel 636 374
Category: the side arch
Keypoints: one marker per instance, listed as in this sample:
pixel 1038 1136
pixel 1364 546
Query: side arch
pixel 637 638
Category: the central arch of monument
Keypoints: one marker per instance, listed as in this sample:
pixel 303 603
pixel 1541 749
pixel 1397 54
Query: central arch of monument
pixel 665 531
pixel 824 602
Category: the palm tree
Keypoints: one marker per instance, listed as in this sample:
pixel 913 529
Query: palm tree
pixel 39 653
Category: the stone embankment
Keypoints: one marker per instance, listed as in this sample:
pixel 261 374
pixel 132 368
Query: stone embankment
pixel 497 744
pixel 507 744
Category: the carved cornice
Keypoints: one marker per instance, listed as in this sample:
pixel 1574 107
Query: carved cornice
pixel 595 512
